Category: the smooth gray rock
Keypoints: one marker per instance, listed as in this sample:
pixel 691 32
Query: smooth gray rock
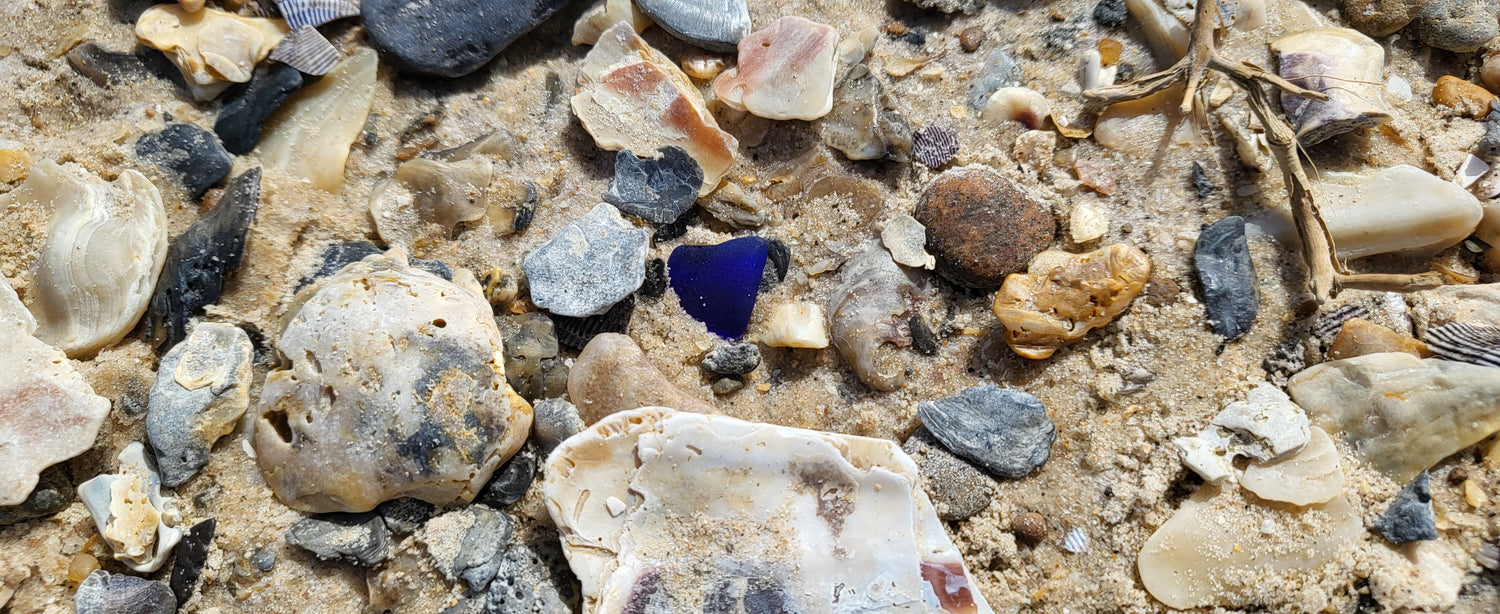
pixel 189 154
pixel 1410 517
pixel 182 424
pixel 449 38
pixel 732 359
pixel 958 489
pixel 552 421
pixel 361 539
pixel 592 264
pixel 1005 431
pixel 656 190
pixel 716 25
pixel 479 555
pixel 1460 26
pixel 107 593
pixel 1222 259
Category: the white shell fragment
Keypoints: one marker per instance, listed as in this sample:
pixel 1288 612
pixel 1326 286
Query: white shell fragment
pixel 796 325
pixel 1401 208
pixel 592 24
pixel 721 514
pixel 785 71
pixel 1341 63
pixel 1266 426
pixel 1076 541
pixel 1309 477
pixel 202 389
pixel 906 239
pixel 430 192
pixel 105 248
pixel 138 523
pixel 311 133
pixel 48 412
pixel 1017 104
pixel 867 316
pixel 212 48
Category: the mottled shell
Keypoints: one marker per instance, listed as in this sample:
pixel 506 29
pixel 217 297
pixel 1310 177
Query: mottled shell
pixel 138 523
pixel 1063 296
pixel 867 317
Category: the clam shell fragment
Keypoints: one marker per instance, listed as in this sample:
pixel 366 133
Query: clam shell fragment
pixel 698 513
pixel 137 522
pixel 1341 63
pixel 868 317
pixel 212 48
pixel 785 71
pixel 311 134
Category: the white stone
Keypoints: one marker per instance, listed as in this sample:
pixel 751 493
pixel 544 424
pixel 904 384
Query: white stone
pixel 906 239
pixel 1401 208
pixel 1207 454
pixel 796 325
pixel 721 509
pixel 138 523
pixel 1087 222
pixel 1310 477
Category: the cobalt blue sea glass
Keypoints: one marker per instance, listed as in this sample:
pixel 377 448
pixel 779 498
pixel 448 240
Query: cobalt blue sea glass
pixel 717 284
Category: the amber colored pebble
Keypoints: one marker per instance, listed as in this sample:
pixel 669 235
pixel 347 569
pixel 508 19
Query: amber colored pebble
pixel 1359 337
pixel 1109 51
pixel 1468 99
pixel 971 38
pixel 894 28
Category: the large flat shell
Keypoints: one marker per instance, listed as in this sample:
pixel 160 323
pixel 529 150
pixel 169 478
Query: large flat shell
pixel 701 513
pixel 310 135
pixel 1341 63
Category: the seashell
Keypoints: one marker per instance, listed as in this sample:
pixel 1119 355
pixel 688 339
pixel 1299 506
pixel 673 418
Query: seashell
pixel 202 388
pixel 934 146
pixel 1076 541
pixel 306 50
pixel 1309 477
pixel 630 96
pixel 592 24
pixel 906 239
pixel 138 523
pixel 1018 104
pixel 1397 209
pixel 868 313
pixel 796 325
pixel 107 593
pixel 1092 73
pixel 699 513
pixel 1479 345
pixel 862 124
pixel 48 412
pixel 427 192
pixel 1341 63
pixel 1265 426
pixel 716 25
pixel 311 134
pixel 211 47
pixel 1063 296
pixel 612 375
pixel 702 66
pixel 106 245
pixel 200 258
pixel 403 361
pixel 576 333
pixel 786 71
pixel 313 13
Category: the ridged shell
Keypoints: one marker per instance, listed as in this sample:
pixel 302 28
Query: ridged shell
pixel 1467 343
pixel 306 50
pixel 299 13
pixel 106 245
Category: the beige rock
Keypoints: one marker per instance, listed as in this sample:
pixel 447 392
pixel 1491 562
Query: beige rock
pixel 15 161
pixel 1489 72
pixel 1359 336
pixel 1478 305
pixel 212 48
pixel 1310 477
pixel 1063 296
pixel 613 375
pixel 1399 413
pixel 630 96
pixel 1489 224
pixel 796 325
pixel 311 134
pixel 1418 578
pixel 1397 209
pixel 1087 222
pixel 1146 126
pixel 906 239
pixel 593 23
pixel 786 71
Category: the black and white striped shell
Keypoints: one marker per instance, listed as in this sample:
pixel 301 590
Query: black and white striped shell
pixel 300 13
pixel 306 50
pixel 1479 345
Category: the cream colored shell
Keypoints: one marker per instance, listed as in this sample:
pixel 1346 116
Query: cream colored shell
pixel 210 46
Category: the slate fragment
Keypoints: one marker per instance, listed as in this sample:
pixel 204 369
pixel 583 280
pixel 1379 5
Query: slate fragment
pixel 1222 259
pixel 248 106
pixel 187 153
pixel 1005 431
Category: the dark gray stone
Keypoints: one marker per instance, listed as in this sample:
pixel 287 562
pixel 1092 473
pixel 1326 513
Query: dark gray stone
pixel 1201 183
pixel 105 67
pixel 922 338
pixel 479 555
pixel 188 154
pixel 248 106
pixel 554 420
pixel 361 539
pixel 1489 144
pixel 449 38
pixel 958 489
pixel 1222 259
pixel 339 255
pixel 53 493
pixel 778 262
pixel 192 553
pixel 109 593
pixel 656 190
pixel 405 515
pixel 1007 432
pixel 1460 26
pixel 1410 517
pixel 1110 13
pixel 998 71
pixel 716 25
pixel 655 284
pixel 732 359
pixel 533 578
pixel 511 480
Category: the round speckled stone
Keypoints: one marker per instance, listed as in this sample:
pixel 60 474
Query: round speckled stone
pixel 981 226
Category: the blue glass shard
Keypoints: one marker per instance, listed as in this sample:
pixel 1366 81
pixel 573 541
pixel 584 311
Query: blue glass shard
pixel 717 284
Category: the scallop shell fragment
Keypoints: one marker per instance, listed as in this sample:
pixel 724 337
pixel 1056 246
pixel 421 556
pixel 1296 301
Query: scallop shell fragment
pixel 211 47
pixel 105 248
pixel 138 523
pixel 699 513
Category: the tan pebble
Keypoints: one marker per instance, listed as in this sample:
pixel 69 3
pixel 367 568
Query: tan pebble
pixel 80 567
pixel 1030 527
pixel 15 162
pixel 1109 51
pixel 1474 494
pixel 1036 149
pixel 191 6
pixel 894 28
pixel 1063 296
pixel 971 39
pixel 702 67
pixel 612 375
pixel 1087 222
pixel 1457 476
pixel 1466 98
pixel 1360 336
pixel 1096 174
pixel 796 325
pixel 1489 73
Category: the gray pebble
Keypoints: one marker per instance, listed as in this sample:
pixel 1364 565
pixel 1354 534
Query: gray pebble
pixel 449 38
pixel 181 424
pixel 264 559
pixel 53 493
pixel 726 386
pixel 1460 26
pixel 1222 259
pixel 923 340
pixel 1110 13
pixel 405 515
pixel 592 264
pixel 1202 184
pixel 778 262
pixel 967 7
pixel 552 421
pixel 958 489
pixel 732 359
pixel 658 190
pixel 189 154
pixel 998 71
pixel 716 25
pixel 532 579
pixel 1005 431
pixel 531 363
pixel 479 556
pixel 361 539
pixel 107 593
pixel 1410 517
pixel 1489 144
pixel 511 480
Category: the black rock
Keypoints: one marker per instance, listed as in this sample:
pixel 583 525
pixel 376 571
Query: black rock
pixel 675 229
pixel 658 190
pixel 192 553
pixel 247 107
pixel 449 38
pixel 1222 259
pixel 104 67
pixel 957 488
pixel 922 337
pixel 199 259
pixel 577 332
pixel 656 279
pixel 1201 183
pixel 1410 517
pixel 553 420
pixel 405 515
pixel 511 480
pixel 732 359
pixel 361 539
pixel 778 261
pixel 1005 431
pixel 129 11
pixel 109 593
pixel 480 553
pixel 1110 13
pixel 187 153
pixel 53 493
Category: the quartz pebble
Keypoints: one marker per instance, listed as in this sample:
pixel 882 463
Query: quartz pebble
pixel 103 592
pixel 1359 337
pixel 589 266
pixel 1087 222
pixel 666 474
pixel 310 135
pixel 1409 517
pixel 439 417
pixel 795 325
pixel 867 311
pixel 360 539
pixel 718 284
pixel 785 71
pixel 467 544
pixel 1017 104
pixel 554 420
pixel 202 389
pixel 716 25
pixel 1396 209
pixel 1063 296
pixel 1311 476
pixel 1460 26
pixel 138 523
pixel 732 359
pixel 532 365
pixel 212 48
pixel 595 21
pixel 905 238
pixel 656 190
pixel 246 108
pixel 449 38
pixel 189 155
pixel 192 554
pixel 1221 258
pixel 199 260
pixel 1462 97
pixel 427 200
pixel 612 375
pixel 1005 431
pixel 957 488
pixel 981 226
pixel 1401 414
pixel 863 124
pixel 630 96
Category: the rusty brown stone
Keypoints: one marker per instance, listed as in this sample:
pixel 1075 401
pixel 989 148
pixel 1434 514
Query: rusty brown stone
pixel 981 226
pixel 1030 528
pixel 1380 17
pixel 1359 336
pixel 971 39
pixel 1466 98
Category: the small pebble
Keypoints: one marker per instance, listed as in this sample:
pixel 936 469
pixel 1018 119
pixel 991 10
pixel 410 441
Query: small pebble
pixel 999 70
pixel 1221 257
pixel 511 480
pixel 1457 476
pixel 726 386
pixel 108 593
pixel 1409 517
pixel 934 146
pixel 796 325
pixel 612 374
pixel 656 279
pixel 732 359
pixel 1022 105
pixel 15 161
pixel 1460 26
pixel 592 264
pixel 656 190
pixel 264 559
pixel 53 493
pixel 957 488
pixel 1110 13
pixel 361 539
pixel 104 67
pixel 202 389
pixel 922 337
pixel 449 38
pixel 531 364
pixel 1030 528
pixel 718 284
pixel 1005 431
pixel 554 420
pixel 1467 99
pixel 247 107
pixel 971 39
pixel 405 515
pixel 192 553
pixel 1201 182
pixel 1109 51
pixel 188 154
pixel 981 226
pixel 715 25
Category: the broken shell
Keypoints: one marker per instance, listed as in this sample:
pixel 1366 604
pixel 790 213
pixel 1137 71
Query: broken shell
pixel 211 47
pixel 612 375
pixel 592 24
pixel 306 50
pixel 688 513
pixel 630 96
pixel 1165 33
pixel 423 192
pixel 868 313
pixel 1018 104
pixel 906 239
pixel 15 161
pixel 785 71
pixel 1145 126
pixel 137 522
pixel 1265 426
pixel 1063 296
pixel 717 25
pixel 1310 477
pixel 702 66
pixel 48 412
pixel 311 133
pixel 105 248
pixel 202 388
pixel 315 13
pixel 1341 63
pixel 1463 342
pixel 406 366
pixel 862 123
pixel 102 592
pixel 796 325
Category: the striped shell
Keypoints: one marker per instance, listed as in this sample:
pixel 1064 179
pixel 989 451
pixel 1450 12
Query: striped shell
pixel 934 146
pixel 306 50
pixel 1479 345
pixel 300 13
pixel 1076 542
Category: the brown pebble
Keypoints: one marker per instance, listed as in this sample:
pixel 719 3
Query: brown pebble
pixel 1030 528
pixel 1160 292
pixel 1359 336
pixel 971 38
pixel 1109 51
pixel 1380 17
pixel 1457 476
pixel 894 28
pixel 981 226
pixel 1466 98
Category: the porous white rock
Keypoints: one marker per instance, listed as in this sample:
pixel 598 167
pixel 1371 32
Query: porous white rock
pixel 725 513
pixel 310 135
pixel 785 71
pixel 1265 426
pixel 138 523
pixel 212 48
pixel 1308 477
pixel 796 325
pixel 906 239
pixel 1396 209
